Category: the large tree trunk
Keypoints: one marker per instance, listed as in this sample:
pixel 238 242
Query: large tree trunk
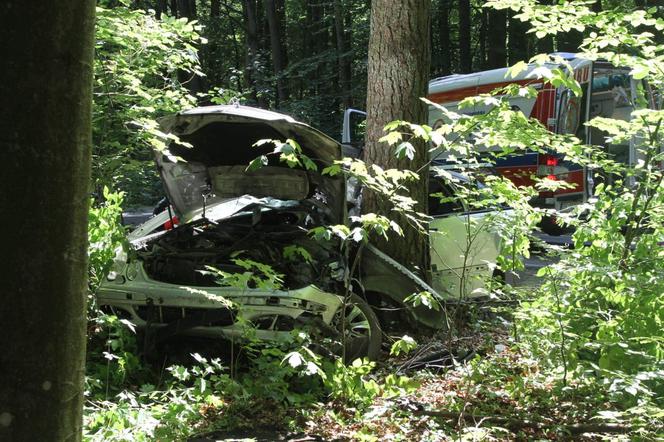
pixel 398 69
pixel 45 146
pixel 497 56
pixel 465 36
pixel 277 48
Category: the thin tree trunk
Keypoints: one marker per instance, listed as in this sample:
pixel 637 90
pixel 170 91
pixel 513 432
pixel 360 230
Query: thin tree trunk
pixel 445 56
pixel 398 69
pixel 184 9
pixel 483 37
pixel 276 45
pixel 497 55
pixel 569 41
pixel 342 54
pixel 518 41
pixel 215 8
pixel 465 57
pixel 194 83
pixel 160 8
pixel 315 20
pixel 251 35
pixel 597 6
pixel 545 44
pixel 45 127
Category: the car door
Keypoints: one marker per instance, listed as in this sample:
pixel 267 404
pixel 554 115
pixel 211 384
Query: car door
pixel 462 243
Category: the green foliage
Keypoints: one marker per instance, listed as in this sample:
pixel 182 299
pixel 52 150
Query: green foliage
pixel 141 68
pixel 404 345
pixel 288 152
pixel 106 236
pixel 256 275
pixel 598 316
pixel 112 358
pixel 423 298
pixel 588 345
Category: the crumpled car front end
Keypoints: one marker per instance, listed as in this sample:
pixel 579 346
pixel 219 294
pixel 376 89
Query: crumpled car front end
pixel 242 253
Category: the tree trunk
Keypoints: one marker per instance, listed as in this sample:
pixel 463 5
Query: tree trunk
pixel 445 55
pixel 597 6
pixel 174 8
pixel 277 49
pixel 215 8
pixel 194 83
pixel 465 57
pixel 545 45
pixel 398 69
pixel 483 37
pixel 160 8
pixel 184 9
pixel 343 56
pixel 497 56
pixel 45 127
pixel 252 48
pixel 569 41
pixel 518 40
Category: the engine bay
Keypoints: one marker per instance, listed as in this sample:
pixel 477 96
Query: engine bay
pixel 275 233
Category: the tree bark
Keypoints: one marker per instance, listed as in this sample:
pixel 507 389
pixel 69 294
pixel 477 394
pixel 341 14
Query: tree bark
pixel 194 83
pixel 45 137
pixel 277 49
pixel 252 48
pixel 518 48
pixel 184 9
pixel 465 57
pixel 569 41
pixel 483 37
pixel 160 8
pixel 445 55
pixel 343 57
pixel 215 8
pixel 545 45
pixel 597 6
pixel 497 55
pixel 398 69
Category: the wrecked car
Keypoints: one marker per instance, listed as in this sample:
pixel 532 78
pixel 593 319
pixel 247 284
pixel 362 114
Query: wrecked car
pixel 242 253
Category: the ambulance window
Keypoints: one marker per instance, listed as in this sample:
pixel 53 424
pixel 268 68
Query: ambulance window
pixel 611 98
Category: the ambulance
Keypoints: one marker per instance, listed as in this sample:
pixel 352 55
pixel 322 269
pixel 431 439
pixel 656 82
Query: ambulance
pixel 607 91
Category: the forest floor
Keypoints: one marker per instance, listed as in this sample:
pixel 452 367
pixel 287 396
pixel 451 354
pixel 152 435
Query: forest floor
pixel 485 388
pixel 492 392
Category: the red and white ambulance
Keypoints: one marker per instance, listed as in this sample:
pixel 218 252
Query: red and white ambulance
pixel 607 91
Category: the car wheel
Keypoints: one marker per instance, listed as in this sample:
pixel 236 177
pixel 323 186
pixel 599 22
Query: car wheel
pixel 359 330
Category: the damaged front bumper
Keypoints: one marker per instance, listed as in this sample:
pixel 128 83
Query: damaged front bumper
pixel 214 312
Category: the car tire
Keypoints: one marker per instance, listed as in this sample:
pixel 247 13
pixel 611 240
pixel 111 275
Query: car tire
pixel 360 330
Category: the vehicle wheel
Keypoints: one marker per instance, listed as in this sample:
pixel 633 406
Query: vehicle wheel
pixel 359 330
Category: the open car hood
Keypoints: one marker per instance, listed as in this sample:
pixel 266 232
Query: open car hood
pixel 222 142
